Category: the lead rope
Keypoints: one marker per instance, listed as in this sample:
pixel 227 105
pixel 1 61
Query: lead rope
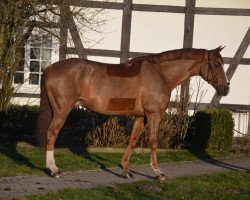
pixel 208 63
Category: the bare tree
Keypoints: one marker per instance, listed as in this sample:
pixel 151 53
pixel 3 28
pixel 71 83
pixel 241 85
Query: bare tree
pixel 18 18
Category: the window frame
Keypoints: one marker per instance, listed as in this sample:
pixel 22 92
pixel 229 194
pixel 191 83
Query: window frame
pixel 27 86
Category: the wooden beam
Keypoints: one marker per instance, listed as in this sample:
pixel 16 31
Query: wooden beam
pixel 232 107
pixel 98 4
pixel 126 30
pixel 192 105
pixel 137 54
pixel 96 52
pixel 187 43
pixel 248 128
pixel 152 8
pixel 87 4
pixel 189 24
pixel 63 32
pixel 25 95
pixel 238 56
pixel 222 11
pixel 132 54
pixel 75 36
pixel 40 24
pixel 158 8
pixel 243 61
pixel 234 63
pixel 227 60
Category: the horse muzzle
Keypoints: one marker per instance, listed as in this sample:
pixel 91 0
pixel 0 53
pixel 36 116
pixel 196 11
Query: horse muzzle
pixel 223 90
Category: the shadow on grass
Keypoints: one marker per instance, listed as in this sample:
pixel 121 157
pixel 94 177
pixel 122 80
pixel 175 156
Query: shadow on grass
pixel 205 157
pixel 8 148
pixel 99 160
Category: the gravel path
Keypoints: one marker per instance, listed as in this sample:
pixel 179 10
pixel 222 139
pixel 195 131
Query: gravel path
pixel 16 187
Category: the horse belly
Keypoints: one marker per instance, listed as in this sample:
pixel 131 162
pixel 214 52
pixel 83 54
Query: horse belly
pixel 113 97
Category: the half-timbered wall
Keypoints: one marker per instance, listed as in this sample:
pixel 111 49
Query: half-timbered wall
pixel 127 7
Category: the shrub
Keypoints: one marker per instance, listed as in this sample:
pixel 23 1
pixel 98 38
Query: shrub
pixel 19 122
pixel 241 145
pixel 111 133
pixel 179 125
pixel 213 130
pixel 171 133
pixel 89 128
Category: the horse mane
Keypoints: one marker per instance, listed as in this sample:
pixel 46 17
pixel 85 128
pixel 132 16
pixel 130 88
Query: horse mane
pixel 177 54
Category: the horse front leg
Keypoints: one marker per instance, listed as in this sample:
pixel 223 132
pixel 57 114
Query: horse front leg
pixel 153 123
pixel 135 134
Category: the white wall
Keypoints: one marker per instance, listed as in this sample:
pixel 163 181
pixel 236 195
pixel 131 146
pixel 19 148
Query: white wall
pixel 156 32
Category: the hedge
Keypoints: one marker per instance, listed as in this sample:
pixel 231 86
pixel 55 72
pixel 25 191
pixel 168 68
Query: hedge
pixel 19 122
pixel 81 127
pixel 213 130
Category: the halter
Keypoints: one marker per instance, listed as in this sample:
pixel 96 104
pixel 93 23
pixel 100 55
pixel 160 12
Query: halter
pixel 210 68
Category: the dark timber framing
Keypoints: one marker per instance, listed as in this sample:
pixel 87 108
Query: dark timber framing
pixel 126 30
pixel 187 43
pixel 63 33
pixel 234 64
pixel 124 54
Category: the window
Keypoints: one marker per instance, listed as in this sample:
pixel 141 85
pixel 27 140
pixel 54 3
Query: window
pixel 19 76
pixel 39 58
pixel 36 58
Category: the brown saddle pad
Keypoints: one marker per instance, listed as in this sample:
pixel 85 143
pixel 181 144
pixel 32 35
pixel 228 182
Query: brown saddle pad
pixel 116 104
pixel 129 69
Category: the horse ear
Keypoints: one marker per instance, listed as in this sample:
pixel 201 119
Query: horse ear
pixel 219 49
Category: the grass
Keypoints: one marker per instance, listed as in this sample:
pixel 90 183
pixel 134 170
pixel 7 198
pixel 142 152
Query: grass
pixel 28 160
pixel 221 186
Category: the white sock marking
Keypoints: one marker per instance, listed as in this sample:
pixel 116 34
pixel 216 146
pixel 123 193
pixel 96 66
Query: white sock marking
pixel 156 170
pixel 50 161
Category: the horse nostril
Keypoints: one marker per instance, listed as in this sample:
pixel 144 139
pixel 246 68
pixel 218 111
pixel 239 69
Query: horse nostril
pixel 228 83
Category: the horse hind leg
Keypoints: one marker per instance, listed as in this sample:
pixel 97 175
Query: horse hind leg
pixel 56 124
pixel 135 134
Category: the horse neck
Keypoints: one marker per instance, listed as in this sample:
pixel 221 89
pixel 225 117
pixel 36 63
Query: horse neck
pixel 177 71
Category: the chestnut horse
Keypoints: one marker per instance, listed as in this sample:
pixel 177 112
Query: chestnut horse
pixel 140 87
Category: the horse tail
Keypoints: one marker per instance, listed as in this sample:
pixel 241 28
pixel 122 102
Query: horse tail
pixel 44 116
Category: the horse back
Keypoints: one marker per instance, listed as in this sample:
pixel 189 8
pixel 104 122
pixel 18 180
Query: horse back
pixel 131 68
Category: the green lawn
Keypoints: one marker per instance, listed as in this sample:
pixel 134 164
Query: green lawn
pixel 221 186
pixel 24 160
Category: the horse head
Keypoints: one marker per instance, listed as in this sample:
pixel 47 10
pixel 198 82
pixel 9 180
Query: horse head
pixel 214 73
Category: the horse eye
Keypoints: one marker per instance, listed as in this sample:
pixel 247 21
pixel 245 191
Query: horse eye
pixel 217 63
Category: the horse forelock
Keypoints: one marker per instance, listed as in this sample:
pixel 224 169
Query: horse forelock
pixel 178 54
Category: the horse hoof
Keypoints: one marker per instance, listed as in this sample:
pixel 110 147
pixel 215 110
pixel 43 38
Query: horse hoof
pixel 127 175
pixel 161 178
pixel 57 174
